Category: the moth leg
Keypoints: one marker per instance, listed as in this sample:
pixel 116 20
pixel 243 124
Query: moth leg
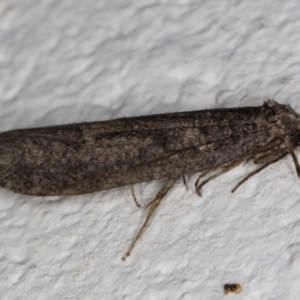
pixel 223 170
pixel 265 153
pixel 279 155
pixel 265 158
pixel 291 151
pixel 133 196
pixel 262 159
pixel 153 206
pixel 184 181
pixel 199 187
pixel 201 176
pixel 246 161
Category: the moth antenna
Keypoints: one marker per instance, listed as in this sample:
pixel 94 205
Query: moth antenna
pixel 153 206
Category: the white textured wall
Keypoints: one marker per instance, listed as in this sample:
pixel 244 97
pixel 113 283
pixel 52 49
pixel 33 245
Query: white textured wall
pixel 64 61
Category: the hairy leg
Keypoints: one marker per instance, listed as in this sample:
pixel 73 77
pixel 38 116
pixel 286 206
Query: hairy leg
pixel 152 207
pixel 222 171
pixel 273 158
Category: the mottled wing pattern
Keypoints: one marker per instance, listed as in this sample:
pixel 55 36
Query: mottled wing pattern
pixel 88 157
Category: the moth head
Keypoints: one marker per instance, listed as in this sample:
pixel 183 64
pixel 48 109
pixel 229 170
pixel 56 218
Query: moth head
pixel 293 126
pixel 280 108
pixel 286 118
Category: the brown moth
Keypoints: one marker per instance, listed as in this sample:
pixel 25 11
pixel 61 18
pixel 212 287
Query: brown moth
pixel 89 157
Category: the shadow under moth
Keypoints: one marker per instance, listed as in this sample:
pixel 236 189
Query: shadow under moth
pixel 89 157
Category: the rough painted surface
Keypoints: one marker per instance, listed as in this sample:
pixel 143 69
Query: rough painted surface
pixel 71 61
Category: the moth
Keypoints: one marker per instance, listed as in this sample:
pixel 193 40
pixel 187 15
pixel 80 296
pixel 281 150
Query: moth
pixel 89 157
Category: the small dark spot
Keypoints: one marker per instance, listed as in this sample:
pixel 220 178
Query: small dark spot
pixel 295 140
pixel 27 184
pixel 232 288
pixel 204 130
